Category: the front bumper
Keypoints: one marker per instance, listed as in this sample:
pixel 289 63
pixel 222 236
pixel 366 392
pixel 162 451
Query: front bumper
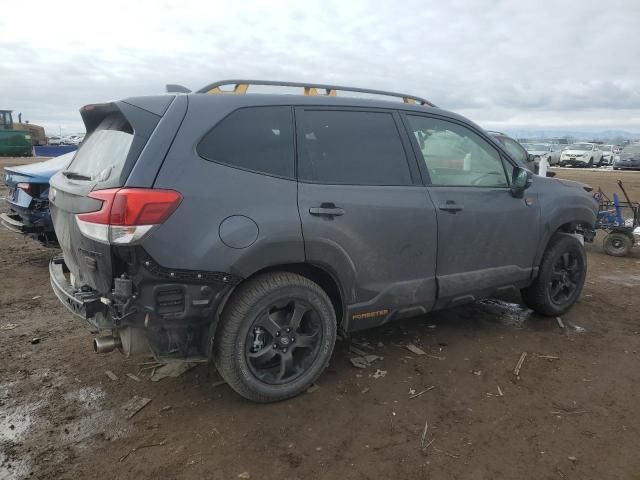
pixel 574 161
pixel 627 166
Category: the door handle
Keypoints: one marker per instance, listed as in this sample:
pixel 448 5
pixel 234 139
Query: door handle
pixel 327 210
pixel 451 206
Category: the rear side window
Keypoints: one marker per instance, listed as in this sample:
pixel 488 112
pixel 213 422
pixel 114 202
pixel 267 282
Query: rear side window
pixel 103 153
pixel 353 148
pixel 259 139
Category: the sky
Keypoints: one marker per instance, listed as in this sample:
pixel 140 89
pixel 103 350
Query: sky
pixel 504 64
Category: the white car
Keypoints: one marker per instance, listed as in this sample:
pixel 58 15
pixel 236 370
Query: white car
pixel 607 154
pixel 543 150
pixel 55 141
pixel 582 154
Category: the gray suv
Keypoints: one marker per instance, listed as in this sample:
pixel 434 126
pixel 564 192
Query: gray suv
pixel 251 228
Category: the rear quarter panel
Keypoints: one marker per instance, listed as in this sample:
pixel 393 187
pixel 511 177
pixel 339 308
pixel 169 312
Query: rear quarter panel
pixel 212 192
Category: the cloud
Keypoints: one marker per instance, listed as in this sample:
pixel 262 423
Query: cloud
pixel 526 63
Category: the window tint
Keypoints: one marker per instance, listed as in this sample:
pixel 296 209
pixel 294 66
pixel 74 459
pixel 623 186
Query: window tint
pixel 353 148
pixel 258 139
pixel 455 155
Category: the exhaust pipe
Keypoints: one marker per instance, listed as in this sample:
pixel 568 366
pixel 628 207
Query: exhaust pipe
pixel 106 344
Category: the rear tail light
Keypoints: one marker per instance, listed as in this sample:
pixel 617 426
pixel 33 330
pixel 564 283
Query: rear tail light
pixel 127 214
pixel 27 188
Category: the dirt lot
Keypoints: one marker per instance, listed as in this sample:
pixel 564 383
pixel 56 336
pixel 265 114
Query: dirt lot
pixel 572 414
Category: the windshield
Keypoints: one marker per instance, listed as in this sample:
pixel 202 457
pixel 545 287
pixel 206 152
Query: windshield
pixel 606 148
pixel 536 147
pixel 632 148
pixel 105 150
pixel 581 146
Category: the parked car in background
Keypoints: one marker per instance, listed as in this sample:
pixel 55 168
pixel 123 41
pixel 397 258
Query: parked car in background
pixel 28 200
pixel 607 154
pixel 517 151
pixel 543 150
pixel 582 154
pixel 236 231
pixel 629 158
pixel 55 140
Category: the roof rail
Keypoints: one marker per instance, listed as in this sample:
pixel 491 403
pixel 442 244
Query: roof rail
pixel 241 86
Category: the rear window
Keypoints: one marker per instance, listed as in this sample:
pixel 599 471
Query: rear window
pixel 259 139
pixel 104 151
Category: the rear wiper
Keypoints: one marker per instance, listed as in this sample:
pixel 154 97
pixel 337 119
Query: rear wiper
pixel 75 175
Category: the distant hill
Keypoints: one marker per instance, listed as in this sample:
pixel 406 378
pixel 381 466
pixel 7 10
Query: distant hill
pixel 576 134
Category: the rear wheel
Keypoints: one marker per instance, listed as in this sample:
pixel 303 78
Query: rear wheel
pixel 617 244
pixel 276 337
pixel 561 277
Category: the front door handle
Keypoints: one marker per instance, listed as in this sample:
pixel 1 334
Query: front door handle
pixel 327 210
pixel 451 206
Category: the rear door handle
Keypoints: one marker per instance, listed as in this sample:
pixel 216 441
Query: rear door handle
pixel 451 206
pixel 327 210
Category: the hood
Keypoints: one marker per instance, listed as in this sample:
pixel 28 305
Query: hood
pixel 576 152
pixel 538 152
pixel 42 171
pixel 629 156
pixel 573 184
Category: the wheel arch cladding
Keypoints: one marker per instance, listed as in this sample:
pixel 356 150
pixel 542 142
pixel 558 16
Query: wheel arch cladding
pixel 316 274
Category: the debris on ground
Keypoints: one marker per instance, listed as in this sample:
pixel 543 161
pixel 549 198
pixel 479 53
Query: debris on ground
pixel 547 357
pixel 477 373
pixel 244 475
pixel 219 383
pixel 416 395
pixel 134 405
pixel 560 323
pixel 133 377
pixel 379 373
pixel 171 369
pixel 36 297
pixel 413 349
pixel 313 388
pixel 357 351
pixel 35 341
pixel 111 375
pixel 166 408
pixel 364 361
pixel 133 450
pixel 365 390
pixel 572 459
pixel 499 394
pixel 516 371
pixel 8 326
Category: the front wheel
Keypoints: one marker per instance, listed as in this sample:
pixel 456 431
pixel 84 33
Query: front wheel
pixel 275 337
pixel 561 277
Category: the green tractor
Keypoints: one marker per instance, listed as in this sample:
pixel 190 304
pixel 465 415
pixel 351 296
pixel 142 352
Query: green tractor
pixel 14 142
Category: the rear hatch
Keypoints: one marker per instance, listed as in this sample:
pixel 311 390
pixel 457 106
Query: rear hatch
pixel 116 136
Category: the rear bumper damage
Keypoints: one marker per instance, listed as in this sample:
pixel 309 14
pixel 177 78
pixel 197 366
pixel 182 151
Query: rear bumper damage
pixel 172 311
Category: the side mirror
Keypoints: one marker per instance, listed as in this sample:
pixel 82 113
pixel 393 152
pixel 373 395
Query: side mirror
pixel 521 180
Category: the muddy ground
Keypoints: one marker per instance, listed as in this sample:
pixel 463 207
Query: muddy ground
pixel 574 412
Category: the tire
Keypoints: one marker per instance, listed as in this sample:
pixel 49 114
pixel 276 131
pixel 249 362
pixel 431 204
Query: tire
pixel 590 164
pixel 556 288
pixel 617 244
pixel 255 320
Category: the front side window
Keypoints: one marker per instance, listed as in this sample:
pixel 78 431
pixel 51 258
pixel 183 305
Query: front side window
pixel 350 148
pixel 259 139
pixel 455 155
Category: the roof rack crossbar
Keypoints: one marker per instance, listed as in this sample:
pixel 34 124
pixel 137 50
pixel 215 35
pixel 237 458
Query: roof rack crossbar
pixel 311 89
